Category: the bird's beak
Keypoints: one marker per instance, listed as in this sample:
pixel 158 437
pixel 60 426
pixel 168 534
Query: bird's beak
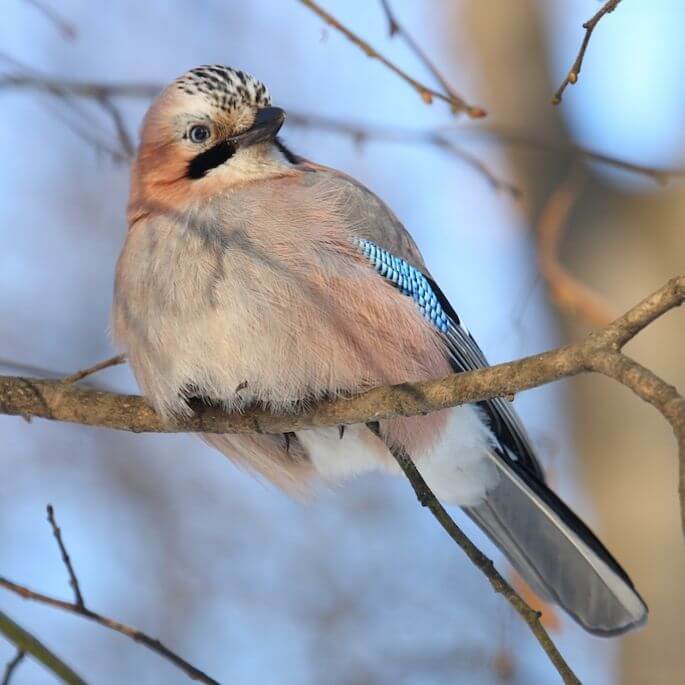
pixel 267 123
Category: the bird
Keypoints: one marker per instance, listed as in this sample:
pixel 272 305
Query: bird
pixel 251 276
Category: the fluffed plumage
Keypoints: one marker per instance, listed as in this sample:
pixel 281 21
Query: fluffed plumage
pixel 268 279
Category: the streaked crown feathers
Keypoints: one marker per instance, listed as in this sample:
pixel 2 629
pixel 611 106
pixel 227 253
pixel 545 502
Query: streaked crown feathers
pixel 227 88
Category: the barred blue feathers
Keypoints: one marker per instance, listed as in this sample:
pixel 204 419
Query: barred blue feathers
pixel 409 280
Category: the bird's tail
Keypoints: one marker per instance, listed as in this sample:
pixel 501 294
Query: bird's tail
pixel 557 554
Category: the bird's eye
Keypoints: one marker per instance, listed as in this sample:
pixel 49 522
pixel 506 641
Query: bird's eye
pixel 198 134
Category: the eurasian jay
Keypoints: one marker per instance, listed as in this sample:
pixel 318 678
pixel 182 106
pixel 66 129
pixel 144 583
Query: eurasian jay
pixel 252 276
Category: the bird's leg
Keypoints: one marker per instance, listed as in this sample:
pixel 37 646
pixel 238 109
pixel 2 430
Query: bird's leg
pixel 287 437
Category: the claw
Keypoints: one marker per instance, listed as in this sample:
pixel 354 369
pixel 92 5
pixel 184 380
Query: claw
pixel 286 437
pixel 341 431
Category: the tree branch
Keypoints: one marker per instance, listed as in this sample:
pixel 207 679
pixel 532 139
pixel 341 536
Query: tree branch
pixel 589 26
pixel 73 580
pixel 567 292
pixel 135 634
pixel 396 28
pixel 27 643
pixel 59 401
pixel 12 666
pixel 100 366
pixel 79 607
pixel 427 94
pixel 428 499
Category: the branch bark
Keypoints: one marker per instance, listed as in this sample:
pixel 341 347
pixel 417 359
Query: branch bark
pixel 600 352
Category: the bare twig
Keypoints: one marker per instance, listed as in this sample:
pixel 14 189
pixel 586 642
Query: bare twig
pixel 531 141
pixel 12 665
pixel 564 289
pixel 135 634
pixel 395 28
pixel 456 103
pixel 73 580
pixel 65 27
pixel 85 89
pixel 361 133
pixel 79 607
pixel 589 26
pixel 30 369
pixel 100 366
pixel 27 643
pixel 119 126
pixel 428 499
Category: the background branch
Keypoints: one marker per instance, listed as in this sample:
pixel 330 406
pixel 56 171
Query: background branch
pixel 589 26
pixel 12 665
pixel 360 132
pixel 29 644
pixel 427 94
pixel 565 290
pixel 79 607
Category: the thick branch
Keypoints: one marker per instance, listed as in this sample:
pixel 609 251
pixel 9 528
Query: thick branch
pixel 59 401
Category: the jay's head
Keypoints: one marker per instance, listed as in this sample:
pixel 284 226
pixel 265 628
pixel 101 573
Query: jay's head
pixel 211 128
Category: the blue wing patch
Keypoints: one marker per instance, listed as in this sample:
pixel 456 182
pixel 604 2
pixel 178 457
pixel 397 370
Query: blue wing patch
pixel 409 280
pixel 464 353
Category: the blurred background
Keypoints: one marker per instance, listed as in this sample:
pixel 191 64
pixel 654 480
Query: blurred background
pixel 358 586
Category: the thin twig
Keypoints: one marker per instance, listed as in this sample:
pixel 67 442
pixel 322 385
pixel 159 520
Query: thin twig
pixel 135 634
pixel 360 134
pixel 528 140
pixel 65 27
pixel 395 28
pixel 12 665
pixel 568 293
pixel 427 499
pixel 589 26
pixel 119 126
pixel 25 642
pixel 100 366
pixel 30 369
pixel 427 94
pixel 73 580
